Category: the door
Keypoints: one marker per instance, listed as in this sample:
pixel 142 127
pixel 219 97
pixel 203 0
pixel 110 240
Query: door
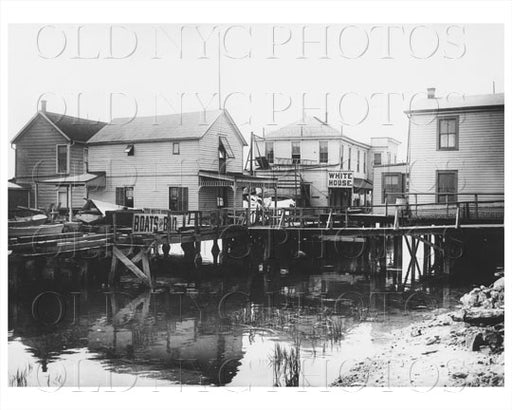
pixel 392 187
pixel 178 199
pixel 446 186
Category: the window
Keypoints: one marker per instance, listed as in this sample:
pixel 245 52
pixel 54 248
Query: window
pixel 364 162
pixel 349 158
pixel 448 133
pixel 392 187
pixel 394 159
pixel 377 158
pixel 62 159
pixel 358 160
pixel 175 148
pixel 324 152
pixel 178 199
pixel 446 186
pixel 62 198
pixel 341 156
pixel 269 151
pixel 222 159
pixel 124 196
pixel 130 150
pixel 296 152
pixel 86 159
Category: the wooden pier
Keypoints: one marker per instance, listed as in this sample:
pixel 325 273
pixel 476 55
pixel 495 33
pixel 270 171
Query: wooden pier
pixel 390 235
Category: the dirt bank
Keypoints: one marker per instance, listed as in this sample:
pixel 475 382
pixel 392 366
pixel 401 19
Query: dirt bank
pixel 458 348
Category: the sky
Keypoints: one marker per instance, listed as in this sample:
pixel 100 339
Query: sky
pixel 362 76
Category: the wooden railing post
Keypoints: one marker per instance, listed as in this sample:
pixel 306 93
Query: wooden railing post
pixel 476 206
pixel 114 221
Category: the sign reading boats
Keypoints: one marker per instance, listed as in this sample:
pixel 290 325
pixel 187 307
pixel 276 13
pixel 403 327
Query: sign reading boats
pixel 340 179
pixel 149 223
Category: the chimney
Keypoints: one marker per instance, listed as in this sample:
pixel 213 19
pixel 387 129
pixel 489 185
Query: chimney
pixel 431 93
pixel 43 105
pixel 326 118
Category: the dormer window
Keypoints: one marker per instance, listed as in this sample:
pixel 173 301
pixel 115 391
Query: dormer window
pixel 130 150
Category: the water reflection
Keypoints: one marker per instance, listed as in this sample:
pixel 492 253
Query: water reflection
pixel 268 328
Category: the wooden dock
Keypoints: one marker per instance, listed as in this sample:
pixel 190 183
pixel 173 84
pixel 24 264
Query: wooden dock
pixel 121 240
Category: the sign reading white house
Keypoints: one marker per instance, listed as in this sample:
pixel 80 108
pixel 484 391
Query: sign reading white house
pixel 149 223
pixel 340 179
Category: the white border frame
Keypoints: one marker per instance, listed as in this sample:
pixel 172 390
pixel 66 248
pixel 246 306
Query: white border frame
pixel 251 12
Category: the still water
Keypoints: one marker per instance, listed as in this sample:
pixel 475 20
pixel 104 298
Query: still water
pixel 276 327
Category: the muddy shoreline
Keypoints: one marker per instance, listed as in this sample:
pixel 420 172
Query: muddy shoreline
pixel 462 347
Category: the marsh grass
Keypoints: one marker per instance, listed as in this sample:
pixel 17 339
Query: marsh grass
pixel 20 378
pixel 286 366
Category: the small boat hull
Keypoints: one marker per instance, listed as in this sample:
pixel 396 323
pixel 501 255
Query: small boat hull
pixel 34 220
pixel 38 230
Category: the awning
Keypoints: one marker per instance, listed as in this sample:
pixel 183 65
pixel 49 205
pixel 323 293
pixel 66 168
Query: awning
pixel 215 179
pixel 88 179
pixel 227 147
pixel 360 183
pixel 12 185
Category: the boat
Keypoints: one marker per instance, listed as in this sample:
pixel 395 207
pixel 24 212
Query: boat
pixel 35 230
pixel 33 220
pixel 94 211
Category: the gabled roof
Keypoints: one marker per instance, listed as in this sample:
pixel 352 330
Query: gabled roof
pixel 310 128
pixel 306 127
pixel 457 102
pixel 183 126
pixel 72 128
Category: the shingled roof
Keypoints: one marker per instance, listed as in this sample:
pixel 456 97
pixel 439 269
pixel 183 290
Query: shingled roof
pixel 183 126
pixel 310 128
pixel 72 128
pixel 77 129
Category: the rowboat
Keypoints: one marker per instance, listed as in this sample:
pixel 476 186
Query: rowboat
pixel 33 220
pixel 37 230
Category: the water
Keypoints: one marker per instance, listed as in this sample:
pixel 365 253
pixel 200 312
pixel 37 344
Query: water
pixel 301 326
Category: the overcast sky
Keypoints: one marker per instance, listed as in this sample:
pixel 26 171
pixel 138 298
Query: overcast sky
pixel 270 75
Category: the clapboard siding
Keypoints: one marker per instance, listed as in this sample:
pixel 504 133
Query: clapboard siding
pixel 151 171
pixel 149 191
pixel 36 154
pixel 208 147
pixel 479 159
pixel 150 158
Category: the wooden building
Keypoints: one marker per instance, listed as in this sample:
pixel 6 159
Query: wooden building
pixel 52 146
pixel 305 155
pixel 456 148
pixel 181 162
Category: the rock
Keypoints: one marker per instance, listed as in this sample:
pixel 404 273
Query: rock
pixel 479 316
pixel 499 284
pixel 474 341
pixel 415 332
pixel 459 375
pixel 432 340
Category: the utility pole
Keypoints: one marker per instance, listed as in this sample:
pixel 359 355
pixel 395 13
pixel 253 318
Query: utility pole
pixel 251 153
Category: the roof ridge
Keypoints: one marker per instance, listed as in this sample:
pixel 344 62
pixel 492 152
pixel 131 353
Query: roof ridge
pixel 167 115
pixel 66 116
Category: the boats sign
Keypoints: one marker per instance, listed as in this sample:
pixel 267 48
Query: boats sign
pixel 340 179
pixel 149 223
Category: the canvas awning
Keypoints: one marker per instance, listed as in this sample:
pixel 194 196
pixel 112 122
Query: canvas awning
pixel 360 183
pixel 88 179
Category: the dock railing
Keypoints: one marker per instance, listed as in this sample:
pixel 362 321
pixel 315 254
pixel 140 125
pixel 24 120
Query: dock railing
pixel 432 205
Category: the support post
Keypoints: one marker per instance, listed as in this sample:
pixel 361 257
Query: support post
pixel 215 252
